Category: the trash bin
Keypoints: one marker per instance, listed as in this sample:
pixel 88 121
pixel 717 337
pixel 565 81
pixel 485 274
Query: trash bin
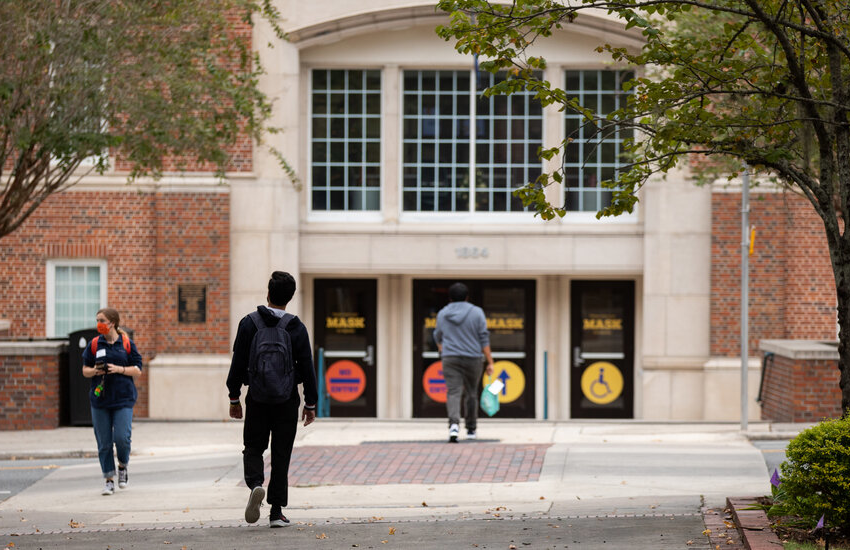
pixel 79 406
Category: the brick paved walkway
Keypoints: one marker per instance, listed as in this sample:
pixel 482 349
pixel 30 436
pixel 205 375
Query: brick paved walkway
pixel 415 462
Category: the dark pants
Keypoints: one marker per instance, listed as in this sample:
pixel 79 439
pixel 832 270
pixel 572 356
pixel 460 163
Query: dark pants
pixel 463 375
pixel 281 421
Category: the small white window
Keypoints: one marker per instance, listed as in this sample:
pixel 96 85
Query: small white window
pixel 76 289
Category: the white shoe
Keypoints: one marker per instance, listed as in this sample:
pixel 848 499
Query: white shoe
pixel 252 510
pixel 453 431
pixel 470 434
pixel 123 478
pixel 108 488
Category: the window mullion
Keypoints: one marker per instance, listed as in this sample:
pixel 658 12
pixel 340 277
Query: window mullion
pixel 473 135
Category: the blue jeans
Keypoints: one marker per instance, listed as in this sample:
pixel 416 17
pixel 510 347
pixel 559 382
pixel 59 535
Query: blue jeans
pixel 112 426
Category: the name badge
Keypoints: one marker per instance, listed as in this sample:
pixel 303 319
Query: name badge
pixel 100 353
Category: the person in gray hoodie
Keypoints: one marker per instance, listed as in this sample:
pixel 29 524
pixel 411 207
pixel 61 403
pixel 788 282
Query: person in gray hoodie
pixel 462 338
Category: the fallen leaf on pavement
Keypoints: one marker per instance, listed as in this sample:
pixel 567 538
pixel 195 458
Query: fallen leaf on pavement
pixel 392 530
pixel 512 547
pixel 424 503
pixel 166 542
pixel 690 542
pixel 321 536
pixel 728 524
pixel 384 541
pixel 706 532
pixel 542 498
pixel 76 524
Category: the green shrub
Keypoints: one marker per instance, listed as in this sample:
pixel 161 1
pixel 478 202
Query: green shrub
pixel 816 476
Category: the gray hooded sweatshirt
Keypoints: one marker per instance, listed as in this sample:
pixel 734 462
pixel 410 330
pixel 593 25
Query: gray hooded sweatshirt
pixel 462 330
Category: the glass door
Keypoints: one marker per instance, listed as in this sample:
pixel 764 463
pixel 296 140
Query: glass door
pixel 346 311
pixel 509 308
pixel 602 371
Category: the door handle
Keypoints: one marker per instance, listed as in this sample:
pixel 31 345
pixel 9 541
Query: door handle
pixel 577 360
pixel 369 359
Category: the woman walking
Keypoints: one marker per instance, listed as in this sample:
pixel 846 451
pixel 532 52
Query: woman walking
pixel 112 361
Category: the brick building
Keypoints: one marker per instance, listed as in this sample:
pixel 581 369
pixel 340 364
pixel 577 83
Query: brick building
pixel 405 187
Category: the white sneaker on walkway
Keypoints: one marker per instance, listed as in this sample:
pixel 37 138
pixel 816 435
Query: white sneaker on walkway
pixel 108 488
pixel 255 500
pixel 123 478
pixel 470 434
pixel 453 431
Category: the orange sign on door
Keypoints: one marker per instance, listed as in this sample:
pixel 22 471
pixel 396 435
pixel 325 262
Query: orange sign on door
pixel 434 383
pixel 345 380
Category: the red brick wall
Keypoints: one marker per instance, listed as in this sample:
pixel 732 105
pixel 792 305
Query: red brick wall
pixel 29 392
pixel 800 390
pixel 151 241
pixel 792 290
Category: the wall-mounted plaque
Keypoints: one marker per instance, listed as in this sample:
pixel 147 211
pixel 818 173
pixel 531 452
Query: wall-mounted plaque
pixel 192 303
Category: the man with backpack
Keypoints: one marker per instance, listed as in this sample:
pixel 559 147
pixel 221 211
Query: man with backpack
pixel 271 355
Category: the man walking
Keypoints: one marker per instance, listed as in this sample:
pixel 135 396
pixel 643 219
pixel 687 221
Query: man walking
pixel 271 355
pixel 462 337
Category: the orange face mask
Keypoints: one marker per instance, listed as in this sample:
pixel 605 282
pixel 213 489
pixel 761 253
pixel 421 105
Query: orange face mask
pixel 102 328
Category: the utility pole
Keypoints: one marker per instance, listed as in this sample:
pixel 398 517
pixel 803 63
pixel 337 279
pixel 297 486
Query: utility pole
pixel 745 304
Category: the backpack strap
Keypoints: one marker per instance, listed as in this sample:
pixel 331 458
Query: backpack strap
pixel 259 322
pixel 124 340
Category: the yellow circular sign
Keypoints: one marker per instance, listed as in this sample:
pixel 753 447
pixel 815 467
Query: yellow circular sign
pixel 602 382
pixel 511 376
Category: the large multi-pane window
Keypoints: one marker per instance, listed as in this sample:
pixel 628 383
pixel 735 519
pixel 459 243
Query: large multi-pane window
pixel 346 140
pixel 595 153
pixel 76 289
pixel 442 163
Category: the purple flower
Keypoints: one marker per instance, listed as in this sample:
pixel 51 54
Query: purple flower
pixel 820 522
pixel 774 479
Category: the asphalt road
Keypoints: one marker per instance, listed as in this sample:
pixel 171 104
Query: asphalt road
pixel 17 475
pixel 587 533
pixel 773 452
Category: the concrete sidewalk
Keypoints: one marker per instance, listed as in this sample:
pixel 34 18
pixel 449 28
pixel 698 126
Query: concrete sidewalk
pixel 189 474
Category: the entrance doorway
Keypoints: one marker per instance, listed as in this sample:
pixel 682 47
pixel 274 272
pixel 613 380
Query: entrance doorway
pixel 346 315
pixel 602 371
pixel 510 312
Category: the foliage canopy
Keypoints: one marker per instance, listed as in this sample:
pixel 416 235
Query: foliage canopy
pixel 761 82
pixel 154 85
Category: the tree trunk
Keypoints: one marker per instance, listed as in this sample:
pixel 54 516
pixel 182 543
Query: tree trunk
pixel 841 267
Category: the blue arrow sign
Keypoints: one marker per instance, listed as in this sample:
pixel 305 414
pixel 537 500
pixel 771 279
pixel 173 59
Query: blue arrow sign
pixel 504 376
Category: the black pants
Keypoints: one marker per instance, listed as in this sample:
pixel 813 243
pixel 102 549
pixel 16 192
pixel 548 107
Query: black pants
pixel 281 421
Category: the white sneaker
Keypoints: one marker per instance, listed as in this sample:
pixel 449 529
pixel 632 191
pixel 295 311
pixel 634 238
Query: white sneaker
pixel 252 510
pixel 123 478
pixel 453 431
pixel 108 488
pixel 470 434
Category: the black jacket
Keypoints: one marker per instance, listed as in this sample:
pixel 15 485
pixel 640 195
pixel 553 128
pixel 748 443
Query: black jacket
pixel 302 355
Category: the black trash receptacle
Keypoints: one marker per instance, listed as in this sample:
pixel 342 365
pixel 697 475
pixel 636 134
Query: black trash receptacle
pixel 79 406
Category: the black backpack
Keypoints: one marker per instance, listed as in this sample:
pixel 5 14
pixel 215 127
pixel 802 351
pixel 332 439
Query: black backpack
pixel 271 374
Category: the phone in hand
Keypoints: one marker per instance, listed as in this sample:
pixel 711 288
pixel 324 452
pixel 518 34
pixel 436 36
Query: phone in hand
pixel 100 365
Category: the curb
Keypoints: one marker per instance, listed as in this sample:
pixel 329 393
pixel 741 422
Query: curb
pixel 752 524
pixel 44 455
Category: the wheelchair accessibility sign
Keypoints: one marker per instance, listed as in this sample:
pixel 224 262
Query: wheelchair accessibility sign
pixel 511 376
pixel 602 382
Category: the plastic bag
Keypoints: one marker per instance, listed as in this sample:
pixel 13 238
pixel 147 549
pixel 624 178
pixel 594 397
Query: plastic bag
pixel 490 397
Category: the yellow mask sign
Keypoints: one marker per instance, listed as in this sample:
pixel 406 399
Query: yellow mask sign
pixel 602 324
pixel 345 322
